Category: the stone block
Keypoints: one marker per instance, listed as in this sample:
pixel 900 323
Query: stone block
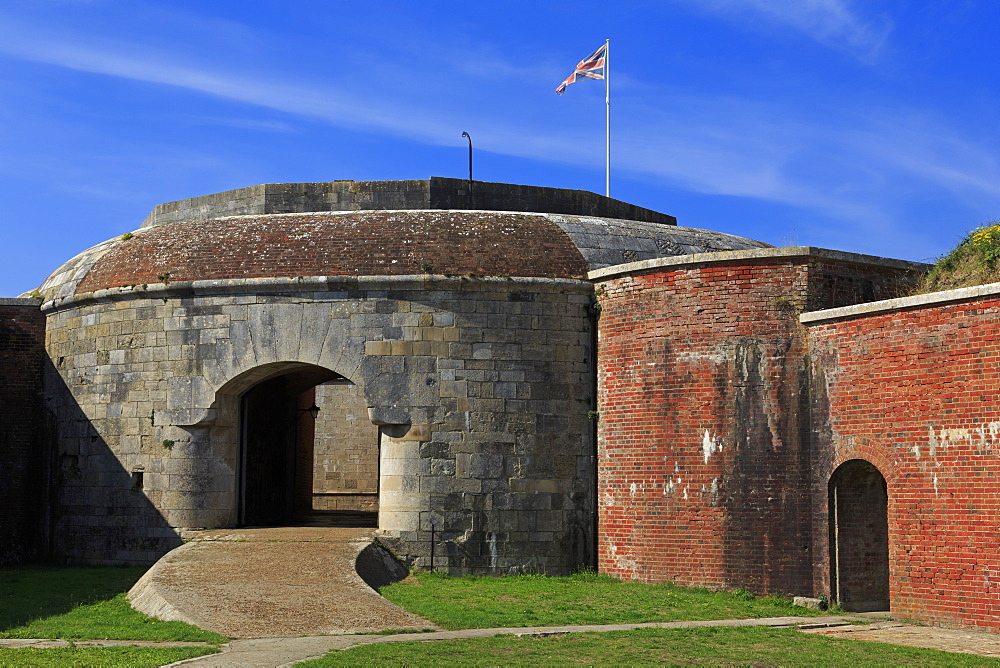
pixel 476 465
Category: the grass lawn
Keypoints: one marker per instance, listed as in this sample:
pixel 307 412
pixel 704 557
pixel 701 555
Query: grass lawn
pixel 662 647
pixel 85 603
pixel 133 657
pixel 81 602
pixel 586 598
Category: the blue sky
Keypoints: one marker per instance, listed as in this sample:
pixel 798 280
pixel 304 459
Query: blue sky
pixel 868 126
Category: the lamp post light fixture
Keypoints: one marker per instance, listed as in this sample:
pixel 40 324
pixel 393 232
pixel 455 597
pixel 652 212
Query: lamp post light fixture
pixel 312 410
pixel 469 137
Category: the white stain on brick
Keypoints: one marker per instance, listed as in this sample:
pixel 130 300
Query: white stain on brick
pixel 709 445
pixel 987 433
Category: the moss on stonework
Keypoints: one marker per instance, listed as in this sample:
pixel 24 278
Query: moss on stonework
pixel 974 261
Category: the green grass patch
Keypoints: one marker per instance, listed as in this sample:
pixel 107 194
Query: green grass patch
pixel 586 598
pixel 661 647
pixel 81 602
pixel 133 657
pixel 974 261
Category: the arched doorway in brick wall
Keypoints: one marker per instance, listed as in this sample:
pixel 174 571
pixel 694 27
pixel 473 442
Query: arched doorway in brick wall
pixel 859 537
pixel 308 453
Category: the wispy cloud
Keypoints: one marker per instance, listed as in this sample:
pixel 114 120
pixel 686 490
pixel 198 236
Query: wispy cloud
pixel 833 23
pixel 853 169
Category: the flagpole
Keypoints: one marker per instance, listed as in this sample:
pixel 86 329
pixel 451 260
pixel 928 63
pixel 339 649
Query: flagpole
pixel 607 118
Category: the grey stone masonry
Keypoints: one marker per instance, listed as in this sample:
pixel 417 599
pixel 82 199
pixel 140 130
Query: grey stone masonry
pixel 480 386
pixel 433 193
pixel 345 450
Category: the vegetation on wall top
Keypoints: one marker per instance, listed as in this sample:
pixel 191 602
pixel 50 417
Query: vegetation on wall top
pixel 974 261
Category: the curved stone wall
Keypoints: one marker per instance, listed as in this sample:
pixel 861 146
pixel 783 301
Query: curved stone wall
pixel 481 387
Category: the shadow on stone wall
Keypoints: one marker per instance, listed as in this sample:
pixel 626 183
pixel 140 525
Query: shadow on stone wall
pixel 100 513
pixel 23 460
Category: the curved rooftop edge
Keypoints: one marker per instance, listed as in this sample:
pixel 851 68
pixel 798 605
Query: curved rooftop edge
pixel 900 304
pixel 321 287
pixel 752 254
pixel 380 242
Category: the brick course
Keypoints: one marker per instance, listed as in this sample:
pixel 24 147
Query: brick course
pixel 704 461
pixel 22 457
pixel 915 393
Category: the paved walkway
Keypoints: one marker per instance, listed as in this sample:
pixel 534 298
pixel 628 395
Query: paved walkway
pixel 272 652
pixel 289 594
pixel 928 637
pixel 275 582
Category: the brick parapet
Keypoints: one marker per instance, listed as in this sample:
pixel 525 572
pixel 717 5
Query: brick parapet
pixel 926 300
pixel 704 471
pixel 911 386
pixel 789 253
pixel 23 457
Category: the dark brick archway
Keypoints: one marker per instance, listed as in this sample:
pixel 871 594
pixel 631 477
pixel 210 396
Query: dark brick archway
pixel 859 537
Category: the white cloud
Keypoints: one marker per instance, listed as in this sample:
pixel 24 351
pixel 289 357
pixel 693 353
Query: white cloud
pixel 853 169
pixel 833 23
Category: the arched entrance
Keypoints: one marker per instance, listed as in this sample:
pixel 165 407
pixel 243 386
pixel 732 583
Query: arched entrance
pixel 302 435
pixel 859 537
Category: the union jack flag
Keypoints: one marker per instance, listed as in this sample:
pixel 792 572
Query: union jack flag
pixel 591 67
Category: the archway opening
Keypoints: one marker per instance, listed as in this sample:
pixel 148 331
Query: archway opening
pixel 308 453
pixel 859 537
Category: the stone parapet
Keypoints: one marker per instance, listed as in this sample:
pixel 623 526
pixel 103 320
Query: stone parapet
pixel 433 193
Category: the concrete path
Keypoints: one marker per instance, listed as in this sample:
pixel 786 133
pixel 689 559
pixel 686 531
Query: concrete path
pixel 275 582
pixel 293 593
pixel 928 637
pixel 272 652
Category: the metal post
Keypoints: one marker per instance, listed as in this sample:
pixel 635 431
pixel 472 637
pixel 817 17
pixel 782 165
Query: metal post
pixel 432 547
pixel 607 118
pixel 469 137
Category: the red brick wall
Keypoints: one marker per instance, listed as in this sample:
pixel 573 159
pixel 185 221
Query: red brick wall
pixel 22 459
pixel 704 464
pixel 917 393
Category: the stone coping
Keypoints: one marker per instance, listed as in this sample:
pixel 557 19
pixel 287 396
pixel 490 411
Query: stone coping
pixel 311 284
pixel 20 301
pixel 752 254
pixel 436 193
pixel 900 304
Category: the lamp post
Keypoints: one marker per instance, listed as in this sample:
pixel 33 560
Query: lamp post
pixel 469 137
